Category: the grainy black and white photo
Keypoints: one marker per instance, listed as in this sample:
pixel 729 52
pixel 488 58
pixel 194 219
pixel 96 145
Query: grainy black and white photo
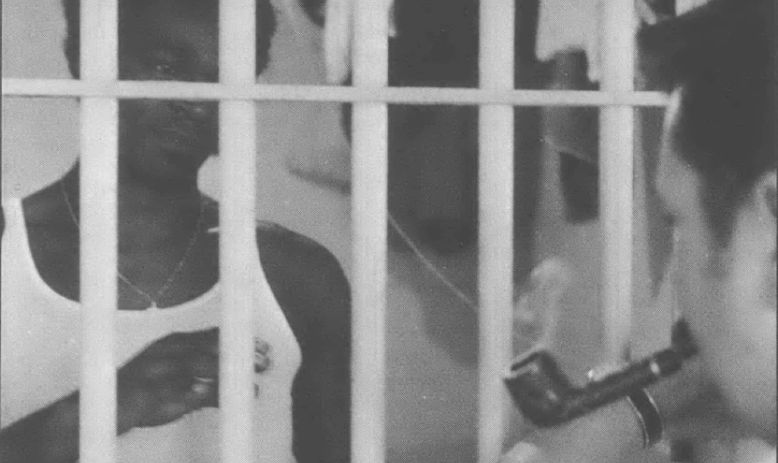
pixel 389 231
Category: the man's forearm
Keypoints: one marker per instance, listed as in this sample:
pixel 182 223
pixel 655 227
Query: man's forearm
pixel 603 436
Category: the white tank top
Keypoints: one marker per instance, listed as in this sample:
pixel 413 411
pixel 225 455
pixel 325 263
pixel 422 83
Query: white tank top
pixel 41 349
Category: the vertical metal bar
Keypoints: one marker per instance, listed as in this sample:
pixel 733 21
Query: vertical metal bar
pixel 369 209
pixel 98 242
pixel 495 242
pixel 237 147
pixel 616 175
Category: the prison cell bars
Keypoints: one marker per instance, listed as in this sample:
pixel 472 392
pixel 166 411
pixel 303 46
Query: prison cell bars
pixel 99 92
pixel 495 224
pixel 279 92
pixel 369 219
pixel 237 148
pixel 98 241
pixel 616 176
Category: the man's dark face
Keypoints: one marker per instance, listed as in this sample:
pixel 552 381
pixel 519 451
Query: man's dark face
pixel 166 141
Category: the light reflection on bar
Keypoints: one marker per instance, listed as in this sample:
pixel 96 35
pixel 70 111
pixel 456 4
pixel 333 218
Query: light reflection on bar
pixel 237 148
pixel 495 225
pixel 369 213
pixel 98 238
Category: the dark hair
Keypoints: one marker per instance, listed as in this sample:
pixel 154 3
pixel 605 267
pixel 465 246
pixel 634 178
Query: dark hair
pixel 722 59
pixel 266 24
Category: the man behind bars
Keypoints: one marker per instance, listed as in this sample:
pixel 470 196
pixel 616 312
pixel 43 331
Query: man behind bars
pixel 168 288
pixel 717 180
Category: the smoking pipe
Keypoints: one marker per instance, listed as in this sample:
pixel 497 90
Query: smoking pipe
pixel 545 396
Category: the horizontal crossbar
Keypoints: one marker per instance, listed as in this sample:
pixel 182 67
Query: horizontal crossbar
pixel 58 88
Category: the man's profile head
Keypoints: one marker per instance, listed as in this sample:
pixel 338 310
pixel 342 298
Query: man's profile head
pixel 717 178
pixel 722 58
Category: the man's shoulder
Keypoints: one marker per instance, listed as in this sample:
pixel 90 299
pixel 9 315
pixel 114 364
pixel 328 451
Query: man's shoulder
pixel 288 258
pixel 305 276
pixel 273 232
pixel 290 249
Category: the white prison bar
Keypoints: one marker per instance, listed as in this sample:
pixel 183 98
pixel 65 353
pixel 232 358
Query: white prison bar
pixel 404 95
pixel 98 242
pixel 495 224
pixel 616 176
pixel 369 210
pixel 237 148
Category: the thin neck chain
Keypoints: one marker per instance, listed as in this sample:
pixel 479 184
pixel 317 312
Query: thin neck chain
pixel 166 286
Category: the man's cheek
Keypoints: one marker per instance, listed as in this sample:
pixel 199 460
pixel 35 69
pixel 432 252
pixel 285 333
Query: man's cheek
pixel 752 318
pixel 749 390
pixel 137 116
